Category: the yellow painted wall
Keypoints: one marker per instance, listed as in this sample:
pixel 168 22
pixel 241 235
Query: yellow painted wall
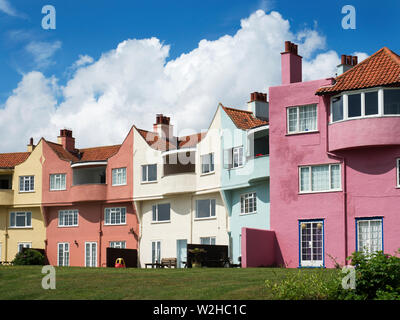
pixel 28 202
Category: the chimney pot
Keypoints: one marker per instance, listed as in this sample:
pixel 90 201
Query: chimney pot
pixel 291 64
pixel 355 60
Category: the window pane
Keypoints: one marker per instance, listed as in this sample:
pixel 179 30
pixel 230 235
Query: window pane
pixel 354 105
pixel 164 212
pixel 308 118
pixel 203 208
pixel 28 219
pixel 20 220
pixel 320 178
pixel 371 103
pixel 144 173
pixel 292 126
pixel 335 176
pixel 12 219
pixel 154 213
pixel 152 172
pixel 337 109
pixel 305 179
pixel 392 101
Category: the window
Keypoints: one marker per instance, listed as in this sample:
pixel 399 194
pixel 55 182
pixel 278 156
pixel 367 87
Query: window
pixel 26 183
pixel 302 118
pixel 205 208
pixel 320 178
pixel 248 203
pixel 115 216
pixel 207 240
pixel 57 182
pixel 68 218
pixel 118 244
pixel 119 177
pixel 311 243
pixel 149 173
pixel 371 103
pixel 392 101
pixel 20 219
pixel 369 235
pixel 156 251
pixel 337 108
pixel 63 254
pixel 354 105
pixel 22 245
pixel 237 157
pixel 207 163
pixel 90 254
pixel 161 212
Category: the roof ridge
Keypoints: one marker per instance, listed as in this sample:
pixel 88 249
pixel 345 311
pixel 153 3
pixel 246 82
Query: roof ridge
pixel 18 152
pixel 113 145
pixel 235 109
pixel 392 55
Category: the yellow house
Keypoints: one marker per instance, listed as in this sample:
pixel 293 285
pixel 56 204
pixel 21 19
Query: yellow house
pixel 21 218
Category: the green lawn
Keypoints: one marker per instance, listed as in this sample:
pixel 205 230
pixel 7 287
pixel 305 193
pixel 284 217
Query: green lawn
pixel 24 282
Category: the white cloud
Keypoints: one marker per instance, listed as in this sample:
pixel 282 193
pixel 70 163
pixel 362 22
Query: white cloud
pixel 83 60
pixel 8 9
pixel 42 52
pixel 130 84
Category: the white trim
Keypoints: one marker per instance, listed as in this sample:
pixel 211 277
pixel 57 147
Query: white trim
pixel 91 243
pixel 120 216
pixel 15 220
pixel 147 173
pixel 174 151
pixel 24 243
pixel 89 163
pixel 68 211
pixel 297 131
pixel 58 254
pixel 119 173
pixel 310 178
pixel 160 221
pixel 55 176
pixel 254 130
pixel 253 196
pixel 398 172
pixel 312 262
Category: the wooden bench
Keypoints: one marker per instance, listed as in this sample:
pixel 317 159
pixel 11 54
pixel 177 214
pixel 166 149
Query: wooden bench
pixel 168 262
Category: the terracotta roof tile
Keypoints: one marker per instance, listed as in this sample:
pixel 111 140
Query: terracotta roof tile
pixel 244 119
pixel 61 152
pixel 10 160
pixel 380 69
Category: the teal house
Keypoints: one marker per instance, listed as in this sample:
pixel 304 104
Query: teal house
pixel 245 169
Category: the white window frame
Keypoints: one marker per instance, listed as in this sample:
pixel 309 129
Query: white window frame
pixel 117 244
pixel 312 262
pixel 23 179
pixel 330 178
pixel 240 160
pixel 398 172
pixel 91 256
pixel 211 158
pixel 160 221
pixel 297 131
pixel 61 218
pixel 147 173
pixel 58 176
pixel 248 196
pixel 24 245
pixel 65 254
pixel 210 216
pixel 118 174
pixel 210 240
pixel 381 104
pixel 157 251
pixel 369 220
pixel 108 212
pixel 20 213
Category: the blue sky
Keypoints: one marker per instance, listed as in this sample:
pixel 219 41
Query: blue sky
pixel 92 28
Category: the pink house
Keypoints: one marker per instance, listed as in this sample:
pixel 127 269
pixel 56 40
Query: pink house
pixel 334 160
pixel 87 201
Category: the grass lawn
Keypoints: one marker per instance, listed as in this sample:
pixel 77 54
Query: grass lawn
pixel 24 282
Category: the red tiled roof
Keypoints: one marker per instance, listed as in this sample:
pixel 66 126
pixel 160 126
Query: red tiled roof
pixel 10 160
pixel 86 154
pixel 380 69
pixel 243 119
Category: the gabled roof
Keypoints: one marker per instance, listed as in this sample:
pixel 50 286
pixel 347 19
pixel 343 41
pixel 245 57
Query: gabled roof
pixel 380 69
pixel 154 140
pixel 10 160
pixel 243 119
pixel 86 154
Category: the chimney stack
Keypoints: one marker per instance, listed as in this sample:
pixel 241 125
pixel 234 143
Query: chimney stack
pixel 66 140
pixel 346 63
pixel 30 146
pixel 258 105
pixel 291 64
pixel 162 126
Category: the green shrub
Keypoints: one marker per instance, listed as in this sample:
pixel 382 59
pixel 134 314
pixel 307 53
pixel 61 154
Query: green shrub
pixel 29 257
pixel 377 277
pixel 306 285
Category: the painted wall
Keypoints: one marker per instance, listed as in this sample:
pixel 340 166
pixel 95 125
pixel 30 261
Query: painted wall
pixel 258 246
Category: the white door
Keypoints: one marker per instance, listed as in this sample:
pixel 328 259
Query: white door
pixel 63 254
pixel 311 244
pixel 90 254
pixel 156 251
pixel 182 253
pixel 0 253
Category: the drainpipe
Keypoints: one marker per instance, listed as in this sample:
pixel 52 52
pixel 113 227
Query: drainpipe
pixel 343 160
pixel 100 234
pixel 6 237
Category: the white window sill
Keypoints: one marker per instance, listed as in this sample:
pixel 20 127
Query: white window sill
pixel 301 132
pixel 160 222
pixel 148 182
pixel 52 190
pixel 206 218
pixel 74 226
pixel 207 173
pixel 118 185
pixel 20 227
pixel 115 224
pixel 321 191
pixel 247 214
pixel 27 191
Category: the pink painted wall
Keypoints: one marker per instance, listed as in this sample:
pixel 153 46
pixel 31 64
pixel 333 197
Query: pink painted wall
pixel 91 201
pixel 370 176
pixel 258 248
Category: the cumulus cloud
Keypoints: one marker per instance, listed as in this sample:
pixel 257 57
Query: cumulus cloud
pixel 131 83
